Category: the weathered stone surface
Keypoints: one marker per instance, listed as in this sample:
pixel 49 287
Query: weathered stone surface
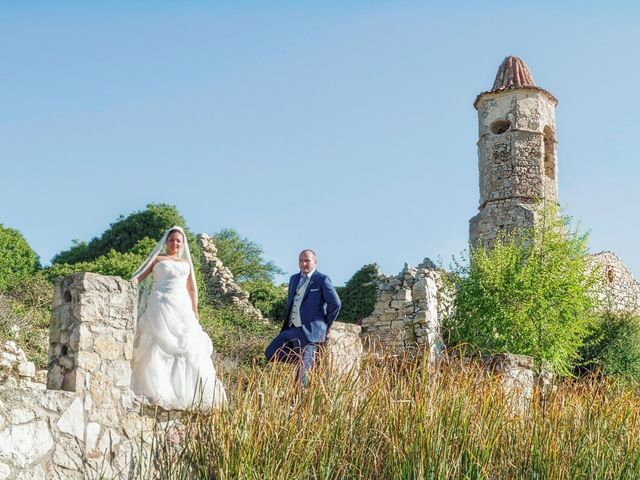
pixel 621 290
pixel 219 280
pixel 344 348
pixel 517 159
pixel 35 473
pixel 19 415
pixel 25 444
pixel 68 454
pixel 516 374
pixel 91 435
pixel 72 420
pixel 410 317
pixel 57 434
pixel 26 369
pixel 5 471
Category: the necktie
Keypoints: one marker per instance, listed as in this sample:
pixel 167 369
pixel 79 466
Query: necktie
pixel 303 280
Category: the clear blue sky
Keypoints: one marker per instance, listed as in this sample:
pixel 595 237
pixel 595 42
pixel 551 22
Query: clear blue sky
pixel 347 127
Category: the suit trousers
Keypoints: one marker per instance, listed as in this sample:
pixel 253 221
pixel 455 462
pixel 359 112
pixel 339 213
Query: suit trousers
pixel 291 346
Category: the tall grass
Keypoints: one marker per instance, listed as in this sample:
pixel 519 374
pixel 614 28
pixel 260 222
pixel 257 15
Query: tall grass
pixel 401 419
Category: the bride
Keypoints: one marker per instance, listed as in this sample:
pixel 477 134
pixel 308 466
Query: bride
pixel 172 364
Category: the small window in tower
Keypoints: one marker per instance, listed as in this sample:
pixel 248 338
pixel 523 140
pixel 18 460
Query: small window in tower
pixel 500 126
pixel 549 153
pixel 610 275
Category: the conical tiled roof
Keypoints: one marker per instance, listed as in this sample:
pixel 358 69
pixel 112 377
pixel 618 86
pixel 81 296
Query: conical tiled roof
pixel 513 74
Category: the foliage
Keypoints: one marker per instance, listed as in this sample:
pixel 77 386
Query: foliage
pixel 613 347
pixel 399 420
pixel 113 263
pixel 243 257
pixel 126 232
pixel 270 299
pixel 25 313
pixel 17 258
pixel 532 294
pixel 235 335
pixel 358 296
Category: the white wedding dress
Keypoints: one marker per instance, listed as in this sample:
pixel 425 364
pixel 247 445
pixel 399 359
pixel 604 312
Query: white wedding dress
pixel 172 364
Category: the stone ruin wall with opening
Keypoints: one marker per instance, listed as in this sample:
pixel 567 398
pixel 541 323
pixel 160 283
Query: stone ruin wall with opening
pixel 408 311
pixel 621 289
pixel 86 422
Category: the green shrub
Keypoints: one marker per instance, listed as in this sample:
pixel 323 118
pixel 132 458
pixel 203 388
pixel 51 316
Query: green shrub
pixel 17 258
pixel 270 299
pixel 25 315
pixel 532 294
pixel 243 257
pixel 113 263
pixel 358 296
pixel 126 232
pixel 613 347
pixel 236 335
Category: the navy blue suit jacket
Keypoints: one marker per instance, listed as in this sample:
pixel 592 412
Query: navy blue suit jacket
pixel 319 308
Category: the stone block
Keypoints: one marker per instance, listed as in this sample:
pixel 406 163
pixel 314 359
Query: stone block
pixel 404 294
pixel 107 348
pixel 26 444
pixel 72 420
pixel 397 324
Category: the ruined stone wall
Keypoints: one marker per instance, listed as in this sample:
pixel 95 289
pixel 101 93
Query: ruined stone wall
pixel 516 159
pixel 408 311
pixel 219 280
pixel 621 289
pixel 86 424
pixel 344 347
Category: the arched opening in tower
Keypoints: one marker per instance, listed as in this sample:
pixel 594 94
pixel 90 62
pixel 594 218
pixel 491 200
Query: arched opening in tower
pixel 549 153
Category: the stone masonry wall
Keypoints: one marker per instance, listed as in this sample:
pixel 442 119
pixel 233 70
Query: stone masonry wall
pixel 622 290
pixel 86 424
pixel 219 280
pixel 406 315
pixel 344 347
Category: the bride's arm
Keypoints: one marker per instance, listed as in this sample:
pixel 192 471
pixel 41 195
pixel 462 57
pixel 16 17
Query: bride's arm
pixel 192 294
pixel 146 273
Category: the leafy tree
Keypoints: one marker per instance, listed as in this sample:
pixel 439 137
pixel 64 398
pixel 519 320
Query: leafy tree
pixel 112 263
pixel 613 347
pixel 270 299
pixel 17 258
pixel 126 232
pixel 532 294
pixel 243 257
pixel 358 296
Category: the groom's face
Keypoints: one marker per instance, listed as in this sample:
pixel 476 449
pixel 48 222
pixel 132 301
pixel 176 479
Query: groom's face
pixel 307 262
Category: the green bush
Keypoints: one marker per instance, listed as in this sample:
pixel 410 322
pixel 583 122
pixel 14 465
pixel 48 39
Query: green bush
pixel 17 258
pixel 243 257
pixel 270 299
pixel 358 296
pixel 236 335
pixel 25 314
pixel 113 263
pixel 613 347
pixel 532 294
pixel 126 232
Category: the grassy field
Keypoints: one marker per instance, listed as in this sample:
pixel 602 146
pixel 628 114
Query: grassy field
pixel 400 420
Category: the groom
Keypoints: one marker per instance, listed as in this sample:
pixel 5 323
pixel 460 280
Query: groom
pixel 313 306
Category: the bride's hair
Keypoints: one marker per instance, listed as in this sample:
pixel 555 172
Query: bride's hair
pixel 174 230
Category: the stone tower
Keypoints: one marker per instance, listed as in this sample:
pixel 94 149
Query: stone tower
pixel 516 152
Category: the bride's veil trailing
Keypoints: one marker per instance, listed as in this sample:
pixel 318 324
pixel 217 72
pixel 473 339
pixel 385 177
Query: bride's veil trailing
pixel 144 287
